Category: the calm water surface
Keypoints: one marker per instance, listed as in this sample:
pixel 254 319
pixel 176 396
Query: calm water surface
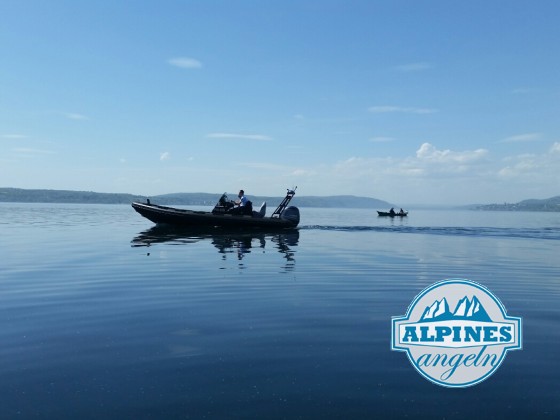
pixel 104 316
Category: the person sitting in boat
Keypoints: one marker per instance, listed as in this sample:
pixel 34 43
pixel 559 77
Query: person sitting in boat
pixel 401 212
pixel 241 199
pixel 392 211
pixel 242 204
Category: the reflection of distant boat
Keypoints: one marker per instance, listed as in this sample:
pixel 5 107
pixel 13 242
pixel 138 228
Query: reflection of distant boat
pixel 224 240
pixel 389 214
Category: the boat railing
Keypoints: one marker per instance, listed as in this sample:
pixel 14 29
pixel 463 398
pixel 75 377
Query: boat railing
pixel 282 206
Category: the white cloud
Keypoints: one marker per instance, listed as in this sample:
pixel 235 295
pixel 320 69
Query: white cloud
pixel 428 166
pixel 75 116
pixel 544 167
pixel 185 63
pixel 31 151
pixel 429 175
pixel 13 136
pixel 258 137
pixel 428 152
pixel 522 138
pixel 407 110
pixel 266 166
pixel 411 67
pixel 524 91
pixel 427 160
pixel 164 156
pixel 522 167
pixel 302 172
pixel 360 168
pixel 381 139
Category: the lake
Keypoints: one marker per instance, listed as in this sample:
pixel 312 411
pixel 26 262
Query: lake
pixel 104 316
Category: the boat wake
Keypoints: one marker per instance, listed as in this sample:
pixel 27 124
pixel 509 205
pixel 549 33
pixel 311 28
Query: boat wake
pixel 527 233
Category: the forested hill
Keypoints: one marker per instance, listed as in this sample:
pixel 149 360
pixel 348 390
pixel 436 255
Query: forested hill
pixel 18 195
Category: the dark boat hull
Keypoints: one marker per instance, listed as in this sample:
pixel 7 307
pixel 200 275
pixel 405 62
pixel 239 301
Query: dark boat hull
pixel 191 218
pixel 389 214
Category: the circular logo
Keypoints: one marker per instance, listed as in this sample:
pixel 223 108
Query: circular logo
pixel 456 333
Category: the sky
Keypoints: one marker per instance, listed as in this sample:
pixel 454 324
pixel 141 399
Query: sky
pixel 427 102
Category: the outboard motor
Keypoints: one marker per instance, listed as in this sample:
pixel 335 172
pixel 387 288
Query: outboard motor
pixel 291 214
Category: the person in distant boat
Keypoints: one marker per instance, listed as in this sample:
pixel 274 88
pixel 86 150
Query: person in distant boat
pixel 392 211
pixel 242 204
pixel 401 211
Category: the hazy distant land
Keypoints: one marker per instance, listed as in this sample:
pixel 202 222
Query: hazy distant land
pixel 18 195
pixel 548 204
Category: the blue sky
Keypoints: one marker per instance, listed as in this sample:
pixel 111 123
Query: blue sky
pixel 408 101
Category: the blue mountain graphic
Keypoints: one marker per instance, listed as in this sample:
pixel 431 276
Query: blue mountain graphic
pixel 471 310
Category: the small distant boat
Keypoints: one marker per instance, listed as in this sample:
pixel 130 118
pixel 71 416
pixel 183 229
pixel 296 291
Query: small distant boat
pixel 221 216
pixel 394 214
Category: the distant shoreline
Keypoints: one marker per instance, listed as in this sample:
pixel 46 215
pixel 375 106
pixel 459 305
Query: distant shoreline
pixel 20 195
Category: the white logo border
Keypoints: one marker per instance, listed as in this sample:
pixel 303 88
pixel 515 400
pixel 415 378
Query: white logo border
pixel 406 317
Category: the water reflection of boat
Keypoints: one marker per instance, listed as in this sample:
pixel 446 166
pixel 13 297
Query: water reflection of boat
pixel 225 241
